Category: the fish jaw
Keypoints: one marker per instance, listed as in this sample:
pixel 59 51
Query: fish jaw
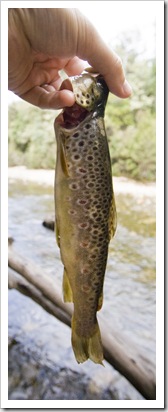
pixel 91 93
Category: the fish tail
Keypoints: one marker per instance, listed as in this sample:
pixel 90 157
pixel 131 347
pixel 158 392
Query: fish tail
pixel 87 347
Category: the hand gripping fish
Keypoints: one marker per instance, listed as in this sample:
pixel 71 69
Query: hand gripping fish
pixel 85 209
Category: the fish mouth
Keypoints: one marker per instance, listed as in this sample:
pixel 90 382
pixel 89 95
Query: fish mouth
pixel 72 116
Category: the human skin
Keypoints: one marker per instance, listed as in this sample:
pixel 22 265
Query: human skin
pixel 44 41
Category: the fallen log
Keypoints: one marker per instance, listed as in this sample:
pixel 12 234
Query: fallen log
pixel 16 281
pixel 117 354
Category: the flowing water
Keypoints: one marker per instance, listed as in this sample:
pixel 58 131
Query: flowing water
pixel 128 308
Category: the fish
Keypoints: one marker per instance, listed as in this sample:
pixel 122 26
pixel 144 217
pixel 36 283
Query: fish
pixel 85 209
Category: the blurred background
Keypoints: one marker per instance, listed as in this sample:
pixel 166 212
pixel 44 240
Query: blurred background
pixel 129 28
pixel 39 343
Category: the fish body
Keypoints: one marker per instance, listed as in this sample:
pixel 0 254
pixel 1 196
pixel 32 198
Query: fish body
pixel 85 209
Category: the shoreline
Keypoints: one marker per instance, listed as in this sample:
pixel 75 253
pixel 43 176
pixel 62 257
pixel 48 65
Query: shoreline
pixel 46 177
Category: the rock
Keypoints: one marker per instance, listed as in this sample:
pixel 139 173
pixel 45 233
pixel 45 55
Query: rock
pixel 17 395
pixel 10 240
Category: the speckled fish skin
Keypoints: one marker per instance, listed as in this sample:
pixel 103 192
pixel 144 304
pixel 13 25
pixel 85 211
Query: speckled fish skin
pixel 85 213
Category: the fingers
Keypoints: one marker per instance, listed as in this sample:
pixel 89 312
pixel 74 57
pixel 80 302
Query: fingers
pixel 74 66
pixel 113 73
pixel 110 66
pixel 48 98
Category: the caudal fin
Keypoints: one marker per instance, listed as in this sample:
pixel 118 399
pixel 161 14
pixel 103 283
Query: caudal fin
pixel 87 348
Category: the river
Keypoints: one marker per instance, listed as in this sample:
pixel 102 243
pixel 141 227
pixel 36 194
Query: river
pixel 39 343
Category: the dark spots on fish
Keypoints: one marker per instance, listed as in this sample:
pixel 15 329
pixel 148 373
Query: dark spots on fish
pixel 97 284
pixel 74 186
pixel 95 232
pixel 88 126
pixel 72 212
pixel 84 244
pixel 95 214
pixel 92 306
pixel 92 258
pixel 90 298
pixel 76 157
pixel 87 207
pixel 82 202
pixel 81 143
pixel 82 170
pixel 100 238
pixel 89 158
pixel 85 270
pixel 83 225
pixel 90 185
pixel 75 135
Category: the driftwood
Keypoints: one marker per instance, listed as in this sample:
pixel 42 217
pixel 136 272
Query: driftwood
pixel 35 284
pixel 16 281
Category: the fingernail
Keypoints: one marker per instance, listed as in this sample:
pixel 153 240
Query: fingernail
pixel 127 89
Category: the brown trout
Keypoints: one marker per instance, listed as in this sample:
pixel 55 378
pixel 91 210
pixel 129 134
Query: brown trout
pixel 85 209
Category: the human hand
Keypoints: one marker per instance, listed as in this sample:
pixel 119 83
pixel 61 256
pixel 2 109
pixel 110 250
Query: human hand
pixel 44 41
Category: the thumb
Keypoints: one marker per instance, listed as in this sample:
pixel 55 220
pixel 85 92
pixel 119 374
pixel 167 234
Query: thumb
pixel 109 64
pixel 92 48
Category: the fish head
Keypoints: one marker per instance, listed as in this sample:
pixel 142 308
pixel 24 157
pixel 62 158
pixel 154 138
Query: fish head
pixel 91 93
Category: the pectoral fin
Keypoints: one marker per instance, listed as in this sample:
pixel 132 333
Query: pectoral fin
pixel 112 218
pixel 67 291
pixel 57 233
pixel 63 160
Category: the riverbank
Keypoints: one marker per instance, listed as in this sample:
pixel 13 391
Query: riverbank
pixel 46 177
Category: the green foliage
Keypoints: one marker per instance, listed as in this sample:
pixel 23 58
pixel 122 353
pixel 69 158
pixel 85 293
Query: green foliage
pixel 130 123
pixel 31 136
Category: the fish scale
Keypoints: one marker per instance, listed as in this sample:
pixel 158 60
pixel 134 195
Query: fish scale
pixel 85 210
